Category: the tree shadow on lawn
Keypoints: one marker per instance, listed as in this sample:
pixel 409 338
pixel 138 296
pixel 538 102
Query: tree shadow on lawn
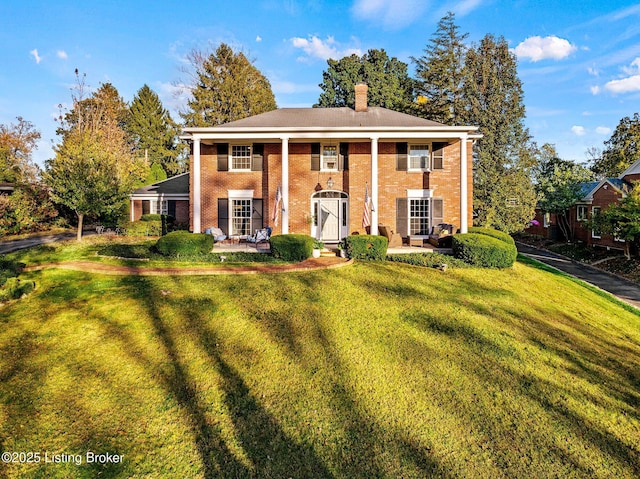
pixel 366 448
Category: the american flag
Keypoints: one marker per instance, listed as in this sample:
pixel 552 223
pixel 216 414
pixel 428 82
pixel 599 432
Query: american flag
pixel 366 220
pixel 276 206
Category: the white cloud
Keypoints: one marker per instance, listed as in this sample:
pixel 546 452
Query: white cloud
pixel 595 90
pixel 593 71
pixel 62 54
pixel 323 49
pixel 629 84
pixel 578 130
pixel 34 54
pixel 258 39
pixel 392 14
pixel 538 48
pixel 603 130
pixel 465 6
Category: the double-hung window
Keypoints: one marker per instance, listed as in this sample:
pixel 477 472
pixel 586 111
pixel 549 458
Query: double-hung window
pixel 241 217
pixel 241 157
pixel 419 157
pixel 581 213
pixel 329 157
pixel 418 216
pixel 595 211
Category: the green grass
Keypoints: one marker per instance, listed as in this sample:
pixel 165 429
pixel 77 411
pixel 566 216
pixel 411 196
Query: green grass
pixel 374 370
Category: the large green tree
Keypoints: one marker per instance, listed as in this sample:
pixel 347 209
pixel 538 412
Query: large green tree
pixel 93 170
pixel 17 142
pixel 154 133
pixel 503 157
pixel 389 83
pixel 621 150
pixel 440 74
pixel 225 86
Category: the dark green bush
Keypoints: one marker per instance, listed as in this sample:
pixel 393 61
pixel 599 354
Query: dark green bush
pixel 156 217
pixel 367 247
pixel 292 247
pixel 501 235
pixel 429 260
pixel 183 243
pixel 14 288
pixel 144 228
pixel 484 251
pixel 9 269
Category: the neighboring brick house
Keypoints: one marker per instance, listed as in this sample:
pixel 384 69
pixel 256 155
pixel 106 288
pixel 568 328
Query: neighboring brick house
pixel 168 197
pixel 596 197
pixel 321 163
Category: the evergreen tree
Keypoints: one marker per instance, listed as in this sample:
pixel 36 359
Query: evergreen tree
pixel 154 133
pixel 621 150
pixel 440 74
pixel 387 78
pixel 226 87
pixel 494 98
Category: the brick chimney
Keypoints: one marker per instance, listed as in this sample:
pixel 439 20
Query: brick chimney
pixel 361 96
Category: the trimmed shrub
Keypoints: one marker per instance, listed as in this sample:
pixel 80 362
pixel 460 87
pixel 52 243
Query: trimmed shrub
pixel 9 269
pixel 183 243
pixel 143 228
pixel 501 235
pixel 367 247
pixel 14 288
pixel 484 251
pixel 428 260
pixel 292 247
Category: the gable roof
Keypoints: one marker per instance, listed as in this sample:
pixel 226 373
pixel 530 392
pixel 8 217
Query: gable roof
pixel 587 190
pixel 634 169
pixel 176 185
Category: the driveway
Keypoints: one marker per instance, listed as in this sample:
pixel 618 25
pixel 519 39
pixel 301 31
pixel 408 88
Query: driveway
pixel 15 245
pixel 625 290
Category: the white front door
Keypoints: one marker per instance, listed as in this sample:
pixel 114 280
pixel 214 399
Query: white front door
pixel 329 211
pixel 330 219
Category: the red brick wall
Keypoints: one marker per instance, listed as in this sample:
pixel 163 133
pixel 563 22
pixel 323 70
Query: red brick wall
pixel 302 182
pixel 182 211
pixel 137 209
pixel 605 196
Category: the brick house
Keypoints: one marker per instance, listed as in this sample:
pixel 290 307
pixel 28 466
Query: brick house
pixel 308 170
pixel 168 197
pixel 596 196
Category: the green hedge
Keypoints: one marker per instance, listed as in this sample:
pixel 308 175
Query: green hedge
pixel 144 228
pixel 9 269
pixel 501 235
pixel 14 288
pixel 484 251
pixel 291 247
pixel 183 243
pixel 156 217
pixel 428 260
pixel 367 247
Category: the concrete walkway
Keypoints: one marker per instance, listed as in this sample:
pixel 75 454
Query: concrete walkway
pixel 626 291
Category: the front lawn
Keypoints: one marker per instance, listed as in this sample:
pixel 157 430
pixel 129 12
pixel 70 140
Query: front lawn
pixel 375 370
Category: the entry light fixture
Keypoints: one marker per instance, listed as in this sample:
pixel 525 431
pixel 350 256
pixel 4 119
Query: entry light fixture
pixel 330 183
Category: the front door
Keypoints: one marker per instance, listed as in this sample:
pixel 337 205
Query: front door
pixel 329 210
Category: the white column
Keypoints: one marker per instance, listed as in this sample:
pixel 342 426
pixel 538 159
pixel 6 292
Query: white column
pixel 464 192
pixel 374 186
pixel 197 226
pixel 285 185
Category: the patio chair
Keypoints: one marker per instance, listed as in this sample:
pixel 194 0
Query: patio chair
pixel 395 240
pixel 217 233
pixel 442 235
pixel 260 236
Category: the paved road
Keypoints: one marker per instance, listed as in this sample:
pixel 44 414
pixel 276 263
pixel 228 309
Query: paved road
pixel 625 290
pixel 15 245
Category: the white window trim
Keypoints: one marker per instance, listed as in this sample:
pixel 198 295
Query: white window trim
pixel 582 217
pixel 231 216
pixel 419 195
pixel 546 220
pixel 429 145
pixel 231 167
pixel 322 157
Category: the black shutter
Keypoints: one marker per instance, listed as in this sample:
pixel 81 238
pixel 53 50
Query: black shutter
pixel 402 216
pixel 402 161
pixel 257 158
pixel 256 215
pixel 223 157
pixel 343 157
pixel 223 215
pixel 437 157
pixel 315 156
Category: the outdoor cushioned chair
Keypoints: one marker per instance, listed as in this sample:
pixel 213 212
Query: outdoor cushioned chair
pixel 395 239
pixel 260 236
pixel 442 235
pixel 217 233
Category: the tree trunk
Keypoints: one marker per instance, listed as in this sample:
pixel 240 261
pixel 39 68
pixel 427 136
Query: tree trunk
pixel 80 221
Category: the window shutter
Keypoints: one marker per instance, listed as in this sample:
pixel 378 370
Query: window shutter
pixel 343 158
pixel 402 161
pixel 223 157
pixel 437 157
pixel 257 157
pixel 437 211
pixel 402 216
pixel 315 156
pixel 256 215
pixel 223 215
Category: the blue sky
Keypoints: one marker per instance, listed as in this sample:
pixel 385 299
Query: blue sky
pixel 579 61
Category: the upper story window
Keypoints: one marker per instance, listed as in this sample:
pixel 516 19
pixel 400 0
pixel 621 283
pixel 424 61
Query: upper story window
pixel 330 157
pixel 241 157
pixel 581 213
pixel 419 157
